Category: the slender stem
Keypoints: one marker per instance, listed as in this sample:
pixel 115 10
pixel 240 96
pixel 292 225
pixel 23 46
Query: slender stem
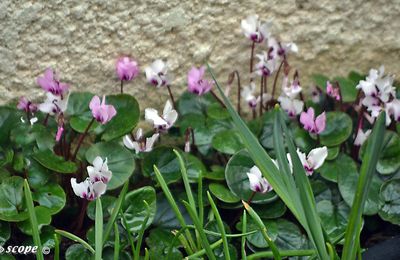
pixel 244 230
pixel 116 241
pixel 230 80
pixel 340 94
pixel 217 98
pixel 81 216
pixel 254 113
pixel 81 139
pixel 122 86
pixel 171 96
pixel 46 119
pixel 98 230
pixel 251 60
pixel 261 94
pixel 276 78
pixel 251 197
pixel 128 231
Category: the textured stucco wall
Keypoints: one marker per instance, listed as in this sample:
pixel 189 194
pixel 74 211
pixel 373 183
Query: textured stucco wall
pixel 82 39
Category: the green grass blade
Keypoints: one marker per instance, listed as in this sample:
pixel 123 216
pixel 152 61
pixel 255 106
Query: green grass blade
pixel 115 211
pixel 284 253
pixel 185 179
pixel 263 230
pixel 313 222
pixel 75 239
pixel 141 233
pixel 196 222
pixel 258 154
pixel 244 230
pixel 56 247
pixel 174 207
pixel 368 166
pixel 220 227
pixel 116 241
pixel 33 219
pixel 98 229
pixel 128 231
pixel 203 251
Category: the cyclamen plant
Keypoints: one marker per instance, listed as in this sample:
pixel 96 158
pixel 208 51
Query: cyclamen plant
pixel 294 178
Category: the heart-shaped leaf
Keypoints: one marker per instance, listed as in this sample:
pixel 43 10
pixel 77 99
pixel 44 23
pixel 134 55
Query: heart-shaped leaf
pixel 338 128
pixel 51 196
pixel 135 210
pixel 227 141
pixel 54 162
pixel 223 193
pixel 390 194
pixel 43 217
pixel 120 161
pixel 334 217
pixel 12 206
pixel 342 164
pixel 165 160
pixel 126 119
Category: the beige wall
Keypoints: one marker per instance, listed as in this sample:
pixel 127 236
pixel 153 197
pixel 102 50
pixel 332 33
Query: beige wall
pixel 82 39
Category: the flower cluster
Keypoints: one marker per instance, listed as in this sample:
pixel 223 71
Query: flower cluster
pixel 96 184
pixel 379 94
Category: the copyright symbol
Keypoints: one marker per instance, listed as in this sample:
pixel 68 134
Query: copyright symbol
pixel 45 250
pixel 1 249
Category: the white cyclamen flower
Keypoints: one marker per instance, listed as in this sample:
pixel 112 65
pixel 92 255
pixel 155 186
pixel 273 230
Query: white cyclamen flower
pixel 99 171
pixel 87 189
pixel 266 66
pixel 293 90
pixel 361 137
pixel 277 49
pixel 312 161
pixel 157 74
pixel 54 104
pixel 247 94
pixel 292 107
pixel 163 122
pixel 257 182
pixel 254 30
pixel 392 109
pixel 140 144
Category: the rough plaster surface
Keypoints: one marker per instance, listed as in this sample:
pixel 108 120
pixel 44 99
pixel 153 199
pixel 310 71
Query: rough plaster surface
pixel 82 39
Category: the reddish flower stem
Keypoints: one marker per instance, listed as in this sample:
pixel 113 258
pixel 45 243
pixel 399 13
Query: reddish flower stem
pixel 46 119
pixel 230 80
pixel 122 86
pixel 261 94
pixel 217 98
pixel 276 79
pixel 171 96
pixel 81 139
pixel 251 197
pixel 251 60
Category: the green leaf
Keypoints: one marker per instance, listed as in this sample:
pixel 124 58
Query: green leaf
pixel 227 141
pixel 165 216
pixel 8 119
pixel 320 80
pixel 274 209
pixel 223 193
pixel 389 161
pixel 189 103
pixel 126 119
pixel 135 210
pixel 77 251
pixel 347 89
pixel 215 111
pixel 347 181
pixel 238 182
pixel 12 206
pixel 55 163
pixel 338 128
pixel 159 241
pixel 38 175
pixel 75 238
pixel 343 164
pixel 194 167
pixel 51 196
pixel 334 217
pixel 390 194
pixel 165 160
pixel 367 171
pixel 108 203
pixel 5 232
pixel 98 226
pixel 43 217
pixel 120 161
pixel 78 103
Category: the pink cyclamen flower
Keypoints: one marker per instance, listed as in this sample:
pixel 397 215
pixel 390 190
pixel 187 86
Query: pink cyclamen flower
pixel 100 111
pixel 26 105
pixel 196 82
pixel 332 92
pixel 127 69
pixel 51 83
pixel 312 124
pixel 60 131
